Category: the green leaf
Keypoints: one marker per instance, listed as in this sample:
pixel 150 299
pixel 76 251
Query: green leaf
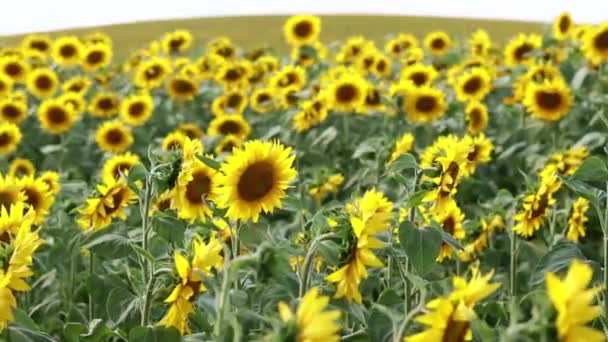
pixel 557 259
pixel 212 163
pixel 155 334
pixel 420 245
pixel 403 162
pixel 416 198
pixel 120 303
pixel 579 78
pixel 379 326
pixel 109 246
pixel 136 173
pixel 450 240
pixel 169 227
pixel 583 189
pixel 593 169
pixel 72 331
pixel 364 148
pixel 21 334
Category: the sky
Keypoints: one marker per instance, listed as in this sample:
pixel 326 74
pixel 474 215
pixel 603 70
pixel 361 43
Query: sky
pixel 25 16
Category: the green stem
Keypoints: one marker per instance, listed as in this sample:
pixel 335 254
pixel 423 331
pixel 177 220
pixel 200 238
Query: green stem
pixel 308 261
pixel 91 273
pixel 148 271
pixel 512 271
pixel 224 299
pixel 605 233
pixel 398 336
pixel 236 246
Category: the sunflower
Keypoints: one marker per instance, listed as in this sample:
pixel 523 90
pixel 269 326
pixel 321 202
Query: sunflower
pixel 196 185
pixel 577 219
pixel 151 73
pixel 518 50
pixel 480 43
pixel 563 26
pixel 403 145
pixel 37 195
pixel 302 29
pixel 413 56
pixel 536 207
pixel 163 201
pixel 21 167
pixel 190 130
pixel 96 56
pixel 36 45
pixel 74 102
pixel 352 49
pixel 113 136
pixel 113 197
pixel 174 141
pixel 573 301
pixel 77 84
pixel 10 192
pixel 595 44
pixel 42 82
pixel 67 50
pixel 476 114
pixel 228 143
pixel 438 42
pixel 55 117
pixel 330 185
pixel 231 102
pixel 548 101
pixel 399 46
pixel 419 74
pixel 104 104
pixel 262 100
pixel 230 124
pixel 311 322
pixel 14 67
pixel 311 113
pixel 51 178
pixel 10 137
pixel 6 85
pixel 424 104
pixel 254 179
pixel 347 93
pixel 233 75
pixel 222 47
pixel 473 85
pixel 118 165
pixel 176 41
pixel 97 38
pixel 289 77
pixel 137 109
pixel 181 88
pixel 450 218
pixel 308 55
pixel 12 110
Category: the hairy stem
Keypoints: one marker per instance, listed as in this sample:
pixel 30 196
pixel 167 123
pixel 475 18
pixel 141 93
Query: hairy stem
pixel 308 260
pixel 148 267
pixel 224 299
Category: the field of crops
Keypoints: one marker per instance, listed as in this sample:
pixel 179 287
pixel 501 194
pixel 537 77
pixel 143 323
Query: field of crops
pixel 426 187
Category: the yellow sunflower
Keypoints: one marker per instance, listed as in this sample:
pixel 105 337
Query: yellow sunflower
pixel 562 26
pixel 330 185
pixel 289 77
pixel 151 73
pixel 12 110
pixel 176 41
pixel 190 130
pixel 67 50
pixel 399 46
pixel 37 195
pixel 302 29
pixel 419 74
pixel 313 323
pixel 96 56
pixel 104 104
pixel 480 151
pixel 137 109
pixel 113 197
pixel 352 49
pixel 36 45
pixel 403 145
pixel 181 88
pixel 77 84
pixel 424 104
pixel 308 55
pixel 42 82
pixel 74 101
pixel 577 219
pixel 14 67
pixel 347 93
pixel 311 113
pixel 173 141
pixel 113 136
pixel 10 137
pixel 10 192
pixel 196 185
pixel 6 85
pixel 231 102
pixel 450 218
pixel 55 116
pixel 227 144
pixel 550 100
pixel 480 43
pixel 233 75
pixel 21 167
pixel 230 124
pixel 51 178
pixel 118 165
pixel 254 179
pixel 262 100
pixel 473 85
pixel 438 42
pixel 476 114
pixel 595 44
pixel 517 51
pixel 97 38
pixel 536 207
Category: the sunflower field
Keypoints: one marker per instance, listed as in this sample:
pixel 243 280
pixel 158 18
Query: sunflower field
pixel 432 188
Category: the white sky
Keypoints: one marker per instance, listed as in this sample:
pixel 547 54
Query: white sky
pixel 21 16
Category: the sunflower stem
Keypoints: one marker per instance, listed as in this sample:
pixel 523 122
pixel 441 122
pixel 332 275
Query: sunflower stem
pixel 512 267
pixel 605 232
pixel 308 260
pixel 148 267
pixel 236 246
pixel 398 336
pixel 223 299
pixel 91 272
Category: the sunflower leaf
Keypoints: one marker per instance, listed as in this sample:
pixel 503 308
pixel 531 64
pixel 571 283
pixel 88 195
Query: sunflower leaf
pixel 154 334
pixel 593 169
pixel 558 258
pixel 420 245
pixel 212 163
pixel 403 162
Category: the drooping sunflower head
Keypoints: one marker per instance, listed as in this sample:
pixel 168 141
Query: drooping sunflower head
pixel 37 195
pixel 96 56
pixel 230 124
pixel 480 151
pixel 42 82
pixel 517 51
pixel 302 29
pixel 480 43
pixel 419 74
pixel 10 137
pixel 104 104
pixel 311 113
pixel 14 67
pixel 77 84
pixel 12 110
pixel 382 65
pixel 595 44
pixel 151 73
pixel 67 50
pixel 111 201
pixel 113 136
pixel 476 114
pixel 177 41
pixel 55 116
pixel 21 167
pixel 450 219
pixel 118 166
pixel 563 26
pixel 227 144
pixel 222 47
pixel 254 179
pixel 473 85
pixel 424 104
pixel 438 42
pixel 262 100
pixel 549 101
pixel 191 130
pixel 347 93
pixel 196 185
pixel 374 100
pixel 51 178
pixel 174 141
pixel 36 45
pixel 182 88
pixel 137 109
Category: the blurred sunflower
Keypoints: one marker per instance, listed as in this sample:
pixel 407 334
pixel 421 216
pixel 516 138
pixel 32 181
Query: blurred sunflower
pixel 67 51
pixel 473 85
pixel 36 45
pixel 302 29
pixel 289 77
pixel 595 44
pixel 191 130
pixel 231 102
pixel 74 102
pixel 233 75
pixel 550 100
pixel 42 82
pixel 347 93
pixel 110 202
pixel 14 67
pixel 37 196
pixel 562 26
pixel 374 102
pixel 6 85
pixel 535 207
pixel 97 38
pixel 51 179
pixel 352 49
pixel 113 136
pixel 254 179
pixel 181 88
pixel 21 167
pixel 230 124
pixel 96 57
pixel 12 110
pixel 104 104
pixel 227 144
pixel 222 47
pixel 118 165
pixel 55 116
pixel 480 43
pixel 403 145
pixel 517 51
pixel 480 152
pixel 424 104
pixel 308 55
pixel 398 47
pixel 151 73
pixel 311 113
pixel 577 219
pixel 173 141
pixel 438 42
pixel 137 109
pixel 196 185
pixel 10 192
pixel 262 100
pixel 418 74
pixel 176 41
pixel 10 137
pixel 77 84
pixel 476 114
pixel 450 219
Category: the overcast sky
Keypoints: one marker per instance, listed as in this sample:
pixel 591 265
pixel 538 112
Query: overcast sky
pixel 21 16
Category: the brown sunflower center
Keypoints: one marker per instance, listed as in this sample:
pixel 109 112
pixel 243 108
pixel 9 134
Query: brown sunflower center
pixel 449 225
pixel 182 86
pixel 34 198
pixel 5 139
pixel 13 69
pixel 114 136
pixel 263 97
pixel 226 51
pixel 548 100
pixel 230 127
pixel 154 71
pixel 117 198
pixel 425 104
pixel 228 146
pixel 232 75
pixel 521 51
pixel 303 29
pixel 57 115
pixel 289 79
pixel 67 51
pixel 256 182
pixel 198 187
pixel 76 87
pixel 475 117
pixel 106 104
pixel 419 78
pixel 455 331
pixel 164 204
pixel 564 24
pixel 7 198
pixel 176 43
pixel 22 170
pixel 95 57
pixel 39 45
pixel 121 168
pixel 381 66
pixel 474 154
pixel 234 101
pixel 43 82
pixel 438 44
pixel 346 93
pixel 601 41
pixel 472 85
pixel 10 111
pixel 373 98
pixel 136 109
